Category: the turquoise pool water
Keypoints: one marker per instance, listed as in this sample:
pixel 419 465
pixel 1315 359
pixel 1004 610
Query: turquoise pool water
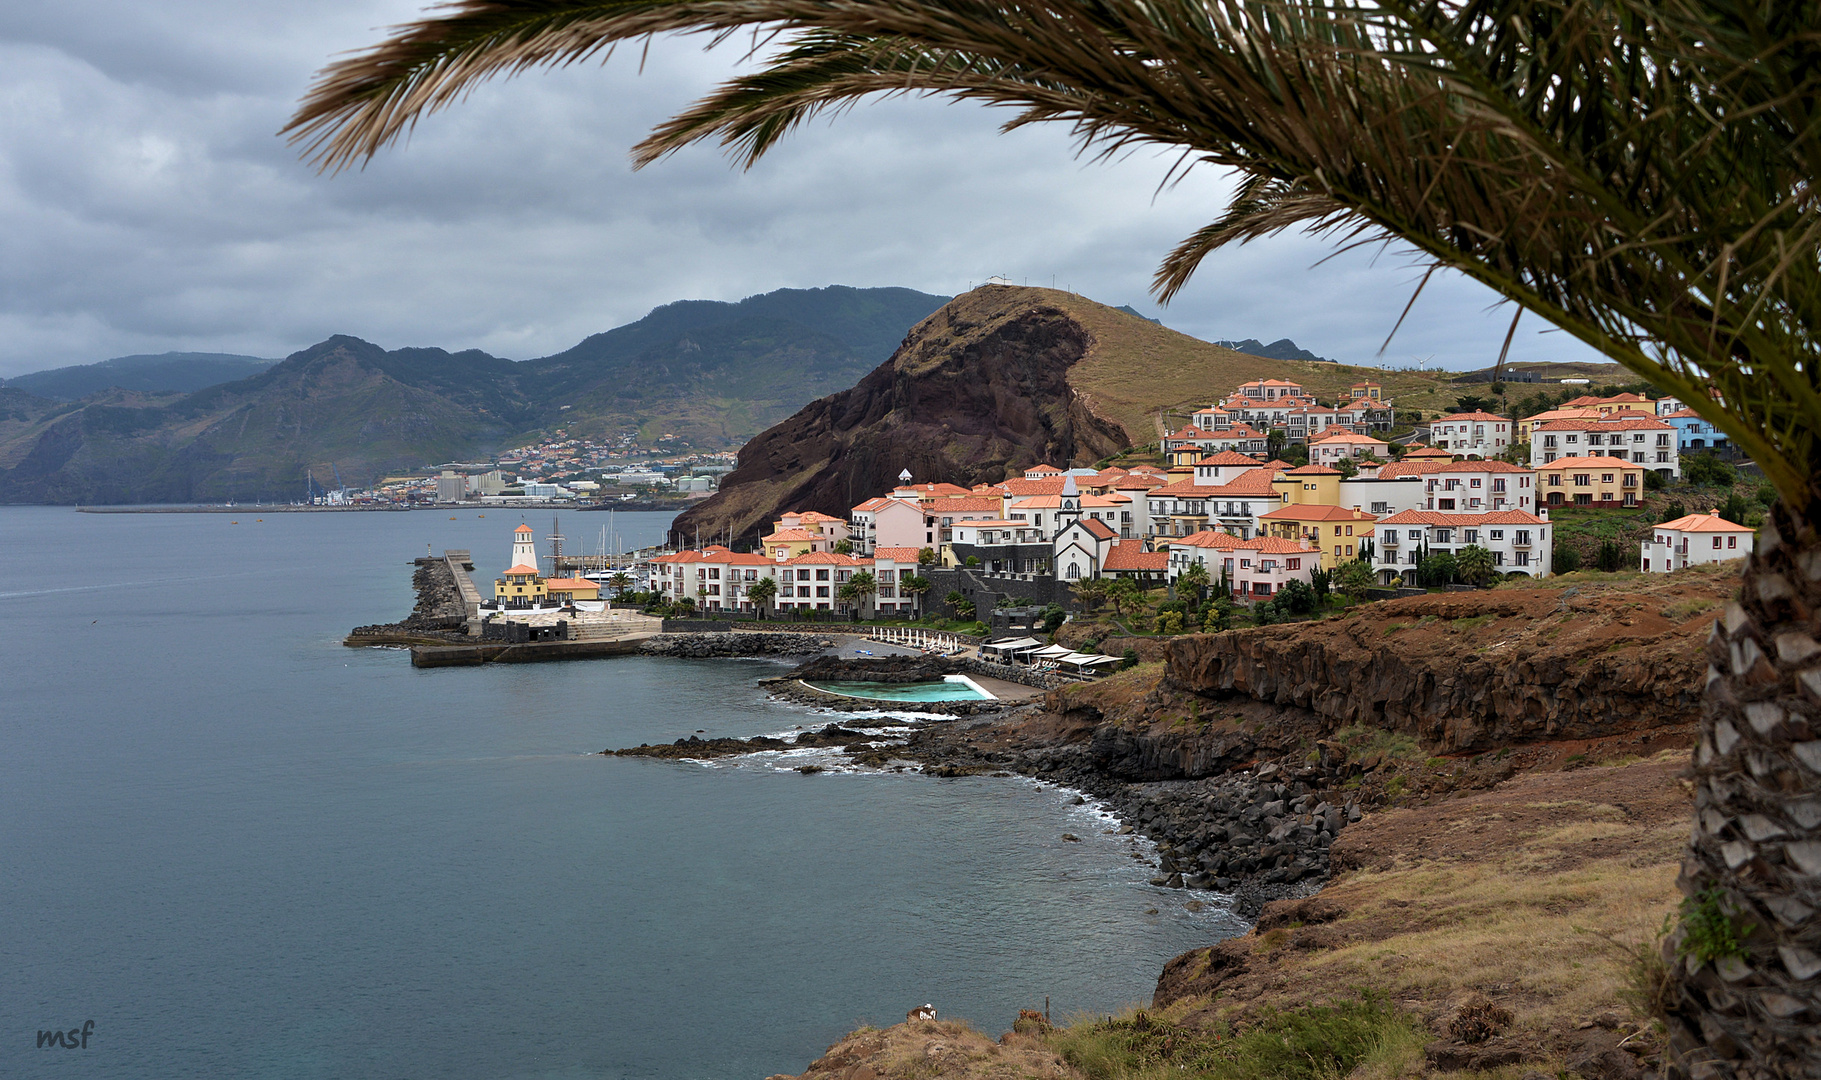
pixel 922 691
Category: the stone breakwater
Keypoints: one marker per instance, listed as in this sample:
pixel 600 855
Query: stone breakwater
pixel 720 645
pixel 437 617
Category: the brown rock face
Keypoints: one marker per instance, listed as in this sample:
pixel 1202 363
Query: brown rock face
pixel 1470 673
pixel 978 390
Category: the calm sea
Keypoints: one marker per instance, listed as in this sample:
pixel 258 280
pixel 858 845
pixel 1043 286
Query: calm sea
pixel 244 850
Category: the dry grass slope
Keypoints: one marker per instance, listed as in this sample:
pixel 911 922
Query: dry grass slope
pixel 1135 368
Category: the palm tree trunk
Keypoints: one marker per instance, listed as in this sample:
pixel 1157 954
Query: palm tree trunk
pixel 1756 843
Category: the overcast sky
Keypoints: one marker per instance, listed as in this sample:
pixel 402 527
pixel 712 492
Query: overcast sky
pixel 146 205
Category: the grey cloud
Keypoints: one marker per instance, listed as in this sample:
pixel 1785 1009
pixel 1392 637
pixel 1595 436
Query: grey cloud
pixel 147 204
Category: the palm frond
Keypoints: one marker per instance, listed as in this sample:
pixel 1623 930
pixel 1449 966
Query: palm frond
pixel 1638 172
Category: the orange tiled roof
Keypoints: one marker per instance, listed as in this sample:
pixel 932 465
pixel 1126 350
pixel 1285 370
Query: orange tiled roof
pixel 1311 470
pixel 1340 434
pixel 1443 517
pixel 1208 538
pixel 521 569
pixel 1478 416
pixel 1131 555
pixel 1704 523
pixel 564 584
pixel 897 554
pixel 1229 457
pixel 974 504
pixel 1427 467
pixel 791 536
pixel 827 558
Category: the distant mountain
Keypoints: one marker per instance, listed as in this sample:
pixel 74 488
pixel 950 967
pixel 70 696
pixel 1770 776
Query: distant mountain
pixel 1281 349
pixel 713 374
pixel 165 373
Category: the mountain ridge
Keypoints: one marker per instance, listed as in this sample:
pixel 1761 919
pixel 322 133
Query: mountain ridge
pixel 717 372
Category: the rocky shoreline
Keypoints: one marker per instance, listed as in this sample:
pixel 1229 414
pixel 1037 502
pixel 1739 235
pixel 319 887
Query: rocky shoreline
pixel 1255 835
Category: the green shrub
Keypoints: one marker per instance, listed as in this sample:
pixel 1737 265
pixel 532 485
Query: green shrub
pixel 1316 1042
pixel 1567 559
pixel 1708 933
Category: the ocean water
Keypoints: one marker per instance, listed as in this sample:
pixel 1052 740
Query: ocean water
pixel 244 850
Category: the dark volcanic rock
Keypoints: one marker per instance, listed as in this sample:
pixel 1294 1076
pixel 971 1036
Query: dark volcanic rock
pixel 977 392
pixel 694 747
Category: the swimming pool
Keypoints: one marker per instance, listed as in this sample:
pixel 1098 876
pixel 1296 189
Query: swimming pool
pixel 951 688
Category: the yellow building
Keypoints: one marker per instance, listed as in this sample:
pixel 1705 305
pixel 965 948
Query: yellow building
pixel 521 585
pixel 1333 531
pixel 1310 484
pixel 1589 481
pixel 568 590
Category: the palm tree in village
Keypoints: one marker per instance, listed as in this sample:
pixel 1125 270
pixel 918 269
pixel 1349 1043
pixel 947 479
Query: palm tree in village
pixel 761 593
pixel 1638 173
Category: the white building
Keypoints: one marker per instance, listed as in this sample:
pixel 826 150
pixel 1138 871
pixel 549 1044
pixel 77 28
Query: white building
pixel 1520 542
pixel 1469 486
pixel 1256 569
pixel 1629 436
pixel 1694 540
pixel 1337 444
pixel 1472 433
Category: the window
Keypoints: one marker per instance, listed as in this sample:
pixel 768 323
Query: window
pixel 1245 564
pixel 1496 534
pixel 1555 479
pixel 1716 542
pixel 1261 588
pixel 1470 536
pixel 1732 541
pixel 1475 482
pixel 1444 536
pixel 1606 478
pixel 1521 558
pixel 1293 564
pixel 1584 479
pixel 1498 484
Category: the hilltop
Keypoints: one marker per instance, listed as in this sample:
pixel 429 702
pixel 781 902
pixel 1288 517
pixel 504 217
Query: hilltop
pixel 165 373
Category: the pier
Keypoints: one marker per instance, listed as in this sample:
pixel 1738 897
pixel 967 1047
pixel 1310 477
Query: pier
pixel 461 564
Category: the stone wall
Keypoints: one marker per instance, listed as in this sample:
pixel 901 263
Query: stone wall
pixel 696 646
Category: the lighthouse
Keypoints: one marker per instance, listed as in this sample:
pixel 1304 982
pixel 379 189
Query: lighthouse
pixel 524 551
pixel 521 585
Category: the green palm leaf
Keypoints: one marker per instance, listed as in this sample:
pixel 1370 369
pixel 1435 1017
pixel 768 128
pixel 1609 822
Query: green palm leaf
pixel 1639 174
